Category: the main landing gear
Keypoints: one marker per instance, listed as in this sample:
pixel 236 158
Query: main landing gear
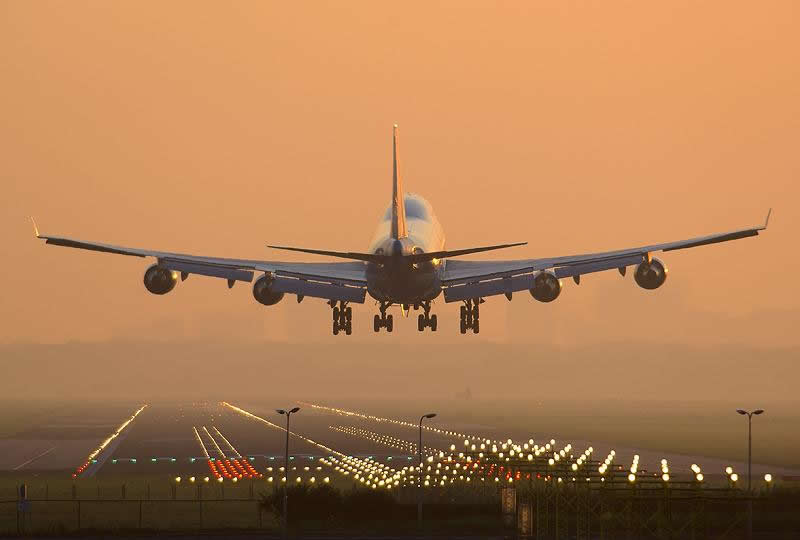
pixel 426 320
pixel 470 313
pixel 342 317
pixel 383 320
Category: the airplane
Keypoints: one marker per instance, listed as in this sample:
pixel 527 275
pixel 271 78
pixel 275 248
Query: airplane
pixel 406 264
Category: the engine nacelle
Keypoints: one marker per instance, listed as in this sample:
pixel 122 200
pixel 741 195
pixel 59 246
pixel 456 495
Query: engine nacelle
pixel 650 275
pixel 546 286
pixel 263 293
pixel 160 280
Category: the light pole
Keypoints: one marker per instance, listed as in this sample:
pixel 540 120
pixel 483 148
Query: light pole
pixel 286 470
pixel 749 466
pixel 419 471
pixel 749 441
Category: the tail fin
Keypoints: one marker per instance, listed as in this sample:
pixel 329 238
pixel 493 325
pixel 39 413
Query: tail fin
pixel 398 197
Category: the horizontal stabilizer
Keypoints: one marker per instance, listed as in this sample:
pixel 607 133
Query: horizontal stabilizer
pixel 369 257
pixel 381 259
pixel 422 257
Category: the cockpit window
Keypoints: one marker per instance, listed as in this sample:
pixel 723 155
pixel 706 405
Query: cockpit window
pixel 415 209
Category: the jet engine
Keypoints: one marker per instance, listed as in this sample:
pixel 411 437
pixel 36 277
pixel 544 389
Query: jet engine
pixel 160 280
pixel 650 275
pixel 546 286
pixel 263 293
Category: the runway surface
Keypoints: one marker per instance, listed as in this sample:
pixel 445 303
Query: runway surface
pixel 185 439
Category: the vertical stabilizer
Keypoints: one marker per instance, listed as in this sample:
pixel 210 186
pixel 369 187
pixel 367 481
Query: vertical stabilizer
pixel 398 197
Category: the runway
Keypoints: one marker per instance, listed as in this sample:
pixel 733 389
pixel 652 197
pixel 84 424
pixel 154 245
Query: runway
pixel 222 442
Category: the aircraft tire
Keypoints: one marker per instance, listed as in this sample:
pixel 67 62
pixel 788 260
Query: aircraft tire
pixel 336 314
pixel 433 323
pixel 348 329
pixel 389 323
pixel 463 325
pixel 349 313
pixel 377 323
pixel 335 328
pixel 476 327
pixel 421 322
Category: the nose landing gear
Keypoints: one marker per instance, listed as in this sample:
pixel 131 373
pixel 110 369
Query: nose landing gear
pixel 470 313
pixel 383 320
pixel 342 317
pixel 426 320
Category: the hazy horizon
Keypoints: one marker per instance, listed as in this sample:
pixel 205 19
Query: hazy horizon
pixel 191 371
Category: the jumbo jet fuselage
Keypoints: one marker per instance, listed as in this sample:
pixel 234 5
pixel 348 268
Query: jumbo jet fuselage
pixel 400 281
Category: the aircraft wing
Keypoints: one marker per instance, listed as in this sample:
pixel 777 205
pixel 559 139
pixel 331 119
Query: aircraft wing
pixel 331 281
pixel 472 279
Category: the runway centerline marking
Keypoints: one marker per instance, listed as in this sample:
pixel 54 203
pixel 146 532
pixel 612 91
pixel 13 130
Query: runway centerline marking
pixel 219 450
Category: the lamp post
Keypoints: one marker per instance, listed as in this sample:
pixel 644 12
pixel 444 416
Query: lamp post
pixel 749 466
pixel 419 471
pixel 749 441
pixel 286 470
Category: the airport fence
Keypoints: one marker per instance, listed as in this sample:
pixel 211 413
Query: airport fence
pixel 579 511
pixel 540 510
pixel 69 515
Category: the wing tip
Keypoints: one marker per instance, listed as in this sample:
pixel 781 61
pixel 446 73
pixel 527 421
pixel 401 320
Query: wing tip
pixel 35 228
pixel 766 221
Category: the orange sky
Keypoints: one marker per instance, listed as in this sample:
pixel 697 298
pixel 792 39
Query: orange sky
pixel 216 128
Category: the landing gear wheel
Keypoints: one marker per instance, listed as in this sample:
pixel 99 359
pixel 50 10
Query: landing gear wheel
pixel 389 323
pixel 470 315
pixel 335 328
pixel 336 314
pixel 433 323
pixel 421 322
pixel 349 313
pixel 377 323
pixel 348 329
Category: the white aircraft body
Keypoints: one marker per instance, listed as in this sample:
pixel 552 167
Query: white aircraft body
pixel 406 264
